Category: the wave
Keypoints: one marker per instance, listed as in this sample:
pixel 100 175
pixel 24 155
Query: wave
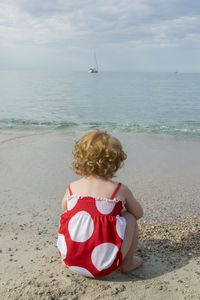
pixel 32 124
pixel 188 128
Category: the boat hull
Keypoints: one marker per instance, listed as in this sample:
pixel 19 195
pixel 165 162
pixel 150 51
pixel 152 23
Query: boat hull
pixel 92 71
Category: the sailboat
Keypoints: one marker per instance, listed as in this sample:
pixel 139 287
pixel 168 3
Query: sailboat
pixel 95 68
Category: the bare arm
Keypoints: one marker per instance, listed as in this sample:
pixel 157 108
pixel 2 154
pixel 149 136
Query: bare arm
pixel 132 205
pixel 64 201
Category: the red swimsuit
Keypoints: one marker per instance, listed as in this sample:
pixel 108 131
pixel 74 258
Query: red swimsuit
pixel 91 234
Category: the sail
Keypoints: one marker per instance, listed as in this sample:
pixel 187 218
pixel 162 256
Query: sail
pixel 94 69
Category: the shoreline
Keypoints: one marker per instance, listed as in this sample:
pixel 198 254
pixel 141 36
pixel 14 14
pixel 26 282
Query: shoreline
pixel 160 170
pixel 7 134
pixel 164 174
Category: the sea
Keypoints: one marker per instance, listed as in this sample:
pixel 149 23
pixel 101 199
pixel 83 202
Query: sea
pixel 151 103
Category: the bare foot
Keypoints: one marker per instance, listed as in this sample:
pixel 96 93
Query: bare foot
pixel 137 262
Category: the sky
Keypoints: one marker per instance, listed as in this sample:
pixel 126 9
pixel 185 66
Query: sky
pixel 128 35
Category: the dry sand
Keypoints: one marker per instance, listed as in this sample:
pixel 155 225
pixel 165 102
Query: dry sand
pixel 163 173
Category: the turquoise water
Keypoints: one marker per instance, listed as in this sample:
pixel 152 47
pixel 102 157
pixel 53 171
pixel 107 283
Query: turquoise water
pixel 164 103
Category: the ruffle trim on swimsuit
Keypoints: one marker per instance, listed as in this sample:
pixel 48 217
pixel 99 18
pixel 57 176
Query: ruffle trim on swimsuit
pixel 96 198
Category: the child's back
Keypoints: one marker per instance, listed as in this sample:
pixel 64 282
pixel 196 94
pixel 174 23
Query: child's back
pixel 96 187
pixel 91 236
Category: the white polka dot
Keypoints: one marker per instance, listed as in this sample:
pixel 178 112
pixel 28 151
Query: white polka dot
pixel 104 255
pixel 81 271
pixel 61 244
pixel 81 227
pixel 105 207
pixel 120 226
pixel 71 202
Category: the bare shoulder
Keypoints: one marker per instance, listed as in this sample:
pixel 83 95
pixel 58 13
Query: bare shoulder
pixel 71 186
pixel 122 191
pixel 75 184
pixel 125 191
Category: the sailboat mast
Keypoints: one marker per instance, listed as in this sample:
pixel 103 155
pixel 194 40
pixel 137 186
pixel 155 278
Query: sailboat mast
pixel 95 60
pixel 94 69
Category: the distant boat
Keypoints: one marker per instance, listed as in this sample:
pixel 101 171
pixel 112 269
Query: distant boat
pixel 92 70
pixel 95 68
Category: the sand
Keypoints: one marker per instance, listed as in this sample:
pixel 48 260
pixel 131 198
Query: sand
pixel 164 175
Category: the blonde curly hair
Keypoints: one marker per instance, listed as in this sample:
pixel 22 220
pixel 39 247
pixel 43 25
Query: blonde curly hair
pixel 98 154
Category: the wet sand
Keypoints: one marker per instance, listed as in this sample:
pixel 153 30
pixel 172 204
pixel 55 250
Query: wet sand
pixel 164 175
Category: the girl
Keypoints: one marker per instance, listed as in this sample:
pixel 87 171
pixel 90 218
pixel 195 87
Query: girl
pixel 98 229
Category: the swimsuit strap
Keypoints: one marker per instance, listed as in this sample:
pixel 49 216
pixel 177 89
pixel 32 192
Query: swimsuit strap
pixel 70 191
pixel 115 191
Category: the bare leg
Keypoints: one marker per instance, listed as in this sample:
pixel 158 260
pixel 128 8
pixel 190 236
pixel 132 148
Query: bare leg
pixel 129 245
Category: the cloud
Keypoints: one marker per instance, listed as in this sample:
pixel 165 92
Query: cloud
pixel 168 33
pixel 17 25
pixel 139 23
pixel 60 30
